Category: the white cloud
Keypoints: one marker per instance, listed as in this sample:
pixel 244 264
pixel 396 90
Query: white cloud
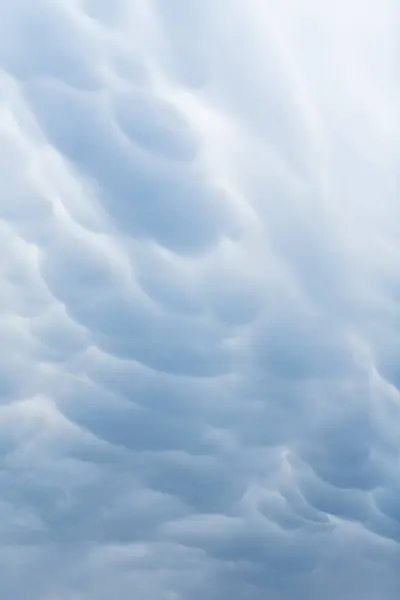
pixel 199 300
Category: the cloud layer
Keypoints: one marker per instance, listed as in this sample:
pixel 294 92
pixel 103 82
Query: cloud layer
pixel 199 300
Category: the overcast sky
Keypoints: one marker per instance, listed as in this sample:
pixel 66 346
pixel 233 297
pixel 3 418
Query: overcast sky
pixel 199 300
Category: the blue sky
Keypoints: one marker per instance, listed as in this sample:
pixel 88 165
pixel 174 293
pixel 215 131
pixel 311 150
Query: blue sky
pixel 199 300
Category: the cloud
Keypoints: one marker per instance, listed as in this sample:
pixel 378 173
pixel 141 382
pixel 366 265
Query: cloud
pixel 199 300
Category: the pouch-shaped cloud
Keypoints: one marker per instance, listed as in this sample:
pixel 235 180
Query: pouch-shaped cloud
pixel 199 264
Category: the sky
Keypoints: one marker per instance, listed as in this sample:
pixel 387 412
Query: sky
pixel 199 300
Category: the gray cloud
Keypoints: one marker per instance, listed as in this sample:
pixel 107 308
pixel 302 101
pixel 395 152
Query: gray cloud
pixel 199 300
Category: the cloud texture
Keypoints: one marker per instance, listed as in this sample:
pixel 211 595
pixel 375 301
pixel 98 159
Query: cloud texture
pixel 199 300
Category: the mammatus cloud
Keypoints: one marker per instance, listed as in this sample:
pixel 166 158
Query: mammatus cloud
pixel 199 300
